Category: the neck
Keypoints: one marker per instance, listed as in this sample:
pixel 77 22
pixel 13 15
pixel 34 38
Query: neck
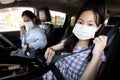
pixel 83 43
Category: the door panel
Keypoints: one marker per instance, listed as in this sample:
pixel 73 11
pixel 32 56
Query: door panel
pixel 7 40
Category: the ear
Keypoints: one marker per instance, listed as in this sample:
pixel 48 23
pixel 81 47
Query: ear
pixel 100 25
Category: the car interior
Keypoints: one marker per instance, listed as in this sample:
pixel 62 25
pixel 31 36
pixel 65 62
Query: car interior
pixel 63 15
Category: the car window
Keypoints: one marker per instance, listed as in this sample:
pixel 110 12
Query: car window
pixel 11 18
pixel 58 18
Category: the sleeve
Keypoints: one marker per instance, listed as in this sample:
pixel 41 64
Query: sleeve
pixel 23 40
pixel 40 40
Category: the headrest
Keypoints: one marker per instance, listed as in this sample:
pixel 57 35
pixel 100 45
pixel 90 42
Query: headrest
pixel 113 20
pixel 111 34
pixel 44 15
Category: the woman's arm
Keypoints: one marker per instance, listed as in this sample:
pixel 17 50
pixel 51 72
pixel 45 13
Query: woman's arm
pixel 22 31
pixel 92 67
pixel 57 47
pixel 50 52
pixel 37 38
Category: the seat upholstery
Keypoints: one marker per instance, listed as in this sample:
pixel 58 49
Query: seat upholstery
pixel 45 18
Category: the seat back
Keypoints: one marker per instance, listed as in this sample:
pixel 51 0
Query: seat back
pixel 113 20
pixel 107 70
pixel 44 15
pixel 45 18
pixel 67 33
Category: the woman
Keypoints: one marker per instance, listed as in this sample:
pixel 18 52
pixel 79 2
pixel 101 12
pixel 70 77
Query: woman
pixel 77 66
pixel 32 37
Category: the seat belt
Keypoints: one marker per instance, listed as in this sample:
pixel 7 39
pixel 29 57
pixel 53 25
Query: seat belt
pixel 58 57
pixel 55 70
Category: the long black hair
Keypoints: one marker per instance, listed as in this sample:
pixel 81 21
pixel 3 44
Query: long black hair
pixel 99 19
pixel 31 15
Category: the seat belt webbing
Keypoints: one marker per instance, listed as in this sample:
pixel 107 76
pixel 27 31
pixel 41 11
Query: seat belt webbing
pixel 56 72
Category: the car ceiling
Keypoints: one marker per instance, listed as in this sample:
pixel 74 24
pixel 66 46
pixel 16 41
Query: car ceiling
pixel 68 6
pixel 113 7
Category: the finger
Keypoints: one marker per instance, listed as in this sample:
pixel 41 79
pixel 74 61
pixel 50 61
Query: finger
pixel 21 27
pixel 46 54
pixel 50 56
pixel 103 38
pixel 97 40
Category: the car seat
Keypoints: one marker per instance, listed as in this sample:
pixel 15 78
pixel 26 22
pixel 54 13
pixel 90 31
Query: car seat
pixel 46 24
pixel 109 69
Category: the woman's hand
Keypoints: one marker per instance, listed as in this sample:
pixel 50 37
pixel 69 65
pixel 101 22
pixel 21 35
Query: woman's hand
pixel 100 44
pixel 24 49
pixel 49 54
pixel 22 30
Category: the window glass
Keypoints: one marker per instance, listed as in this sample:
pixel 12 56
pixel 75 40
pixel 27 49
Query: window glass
pixel 58 18
pixel 10 19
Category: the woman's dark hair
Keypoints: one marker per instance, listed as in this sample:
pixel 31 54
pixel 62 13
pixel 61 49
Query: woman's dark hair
pixel 98 11
pixel 47 13
pixel 30 15
pixel 99 18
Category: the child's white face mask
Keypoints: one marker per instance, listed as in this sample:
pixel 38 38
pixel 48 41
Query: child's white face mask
pixel 84 32
pixel 28 25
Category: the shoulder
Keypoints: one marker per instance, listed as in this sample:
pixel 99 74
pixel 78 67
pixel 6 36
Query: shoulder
pixel 38 29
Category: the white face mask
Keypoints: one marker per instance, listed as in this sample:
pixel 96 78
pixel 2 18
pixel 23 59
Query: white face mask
pixel 84 32
pixel 28 25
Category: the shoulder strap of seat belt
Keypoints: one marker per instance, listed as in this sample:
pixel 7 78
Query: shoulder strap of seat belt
pixel 57 57
pixel 56 72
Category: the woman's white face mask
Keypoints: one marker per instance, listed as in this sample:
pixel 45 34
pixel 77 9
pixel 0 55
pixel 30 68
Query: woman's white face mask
pixel 84 32
pixel 28 25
